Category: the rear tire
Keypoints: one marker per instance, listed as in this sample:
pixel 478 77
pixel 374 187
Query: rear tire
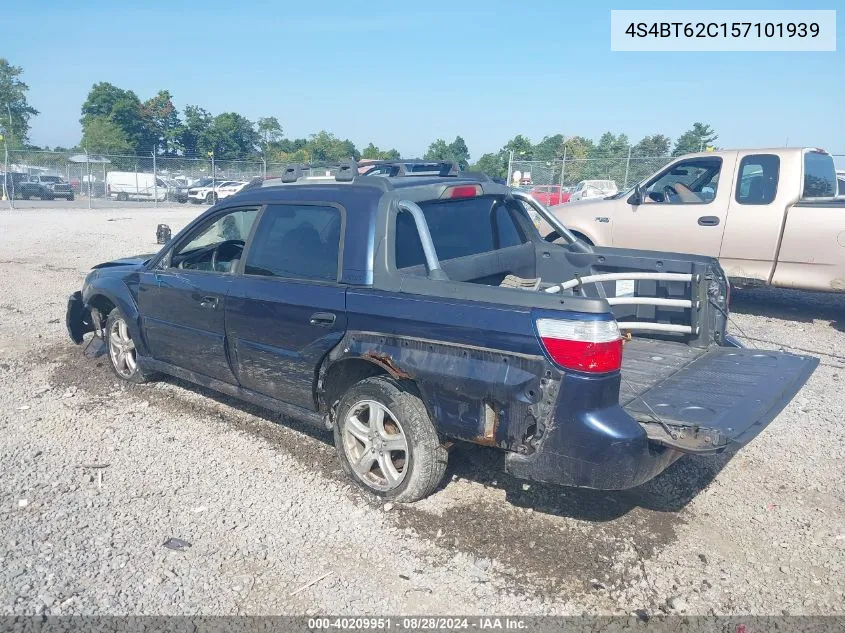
pixel 70 198
pixel 122 197
pixel 386 441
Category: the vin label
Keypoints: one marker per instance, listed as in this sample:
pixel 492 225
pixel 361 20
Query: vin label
pixel 723 30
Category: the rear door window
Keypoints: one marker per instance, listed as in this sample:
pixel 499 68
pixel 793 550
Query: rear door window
pixel 758 179
pixel 819 175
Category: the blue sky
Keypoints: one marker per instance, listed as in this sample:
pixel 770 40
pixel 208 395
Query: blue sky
pixel 402 74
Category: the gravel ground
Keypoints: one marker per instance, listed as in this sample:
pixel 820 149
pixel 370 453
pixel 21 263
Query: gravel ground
pixel 95 476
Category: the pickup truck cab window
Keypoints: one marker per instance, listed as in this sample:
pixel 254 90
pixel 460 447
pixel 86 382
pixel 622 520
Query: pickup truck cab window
pixel 758 179
pixel 296 241
pixel 494 229
pixel 217 246
pixel 692 181
pixel 819 175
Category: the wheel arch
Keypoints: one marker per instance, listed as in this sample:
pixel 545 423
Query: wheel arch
pixel 105 299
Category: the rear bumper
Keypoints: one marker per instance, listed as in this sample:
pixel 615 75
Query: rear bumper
pixel 77 318
pixel 604 449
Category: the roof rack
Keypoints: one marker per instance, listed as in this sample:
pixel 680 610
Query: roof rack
pixel 349 170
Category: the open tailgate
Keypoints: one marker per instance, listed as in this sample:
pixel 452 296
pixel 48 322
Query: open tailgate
pixel 725 395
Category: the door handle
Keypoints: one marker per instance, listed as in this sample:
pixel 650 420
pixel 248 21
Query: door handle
pixel 323 319
pixel 209 302
pixel 708 220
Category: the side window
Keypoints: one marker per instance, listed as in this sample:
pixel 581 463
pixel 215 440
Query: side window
pixel 217 246
pixel 296 241
pixel 758 179
pixel 693 181
pixel 819 175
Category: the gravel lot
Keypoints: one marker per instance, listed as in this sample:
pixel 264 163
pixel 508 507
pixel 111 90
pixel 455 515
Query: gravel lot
pixel 95 476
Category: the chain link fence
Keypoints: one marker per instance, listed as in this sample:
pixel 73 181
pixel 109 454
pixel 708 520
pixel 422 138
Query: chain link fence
pixel 108 180
pixel 625 171
pixel 103 180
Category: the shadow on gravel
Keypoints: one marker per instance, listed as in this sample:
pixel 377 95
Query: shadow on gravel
pixel 791 305
pixel 670 491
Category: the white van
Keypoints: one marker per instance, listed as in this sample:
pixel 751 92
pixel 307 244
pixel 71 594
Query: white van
pixel 587 189
pixel 132 185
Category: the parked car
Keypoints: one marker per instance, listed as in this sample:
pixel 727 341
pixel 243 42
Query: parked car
pixel 771 216
pixel 840 182
pixel 132 185
pixel 550 195
pixel 590 189
pixel 406 314
pixel 45 188
pixel 176 191
pixel 12 181
pixel 212 192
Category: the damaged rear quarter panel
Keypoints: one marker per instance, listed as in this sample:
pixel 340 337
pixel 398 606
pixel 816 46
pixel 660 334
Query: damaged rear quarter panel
pixel 482 376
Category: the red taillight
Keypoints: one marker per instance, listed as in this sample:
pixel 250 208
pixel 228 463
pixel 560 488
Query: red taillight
pixel 591 346
pixel 462 191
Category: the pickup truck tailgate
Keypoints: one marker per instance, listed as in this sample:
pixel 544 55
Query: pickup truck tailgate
pixel 701 401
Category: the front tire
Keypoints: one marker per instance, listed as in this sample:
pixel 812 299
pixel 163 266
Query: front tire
pixel 386 441
pixel 121 348
pixel 211 198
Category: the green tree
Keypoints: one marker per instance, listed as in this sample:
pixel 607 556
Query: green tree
pixel 438 150
pixel 696 139
pixel 270 131
pixel 456 151
pixel 195 130
pixel 124 109
pixel 550 148
pixel 577 165
pixel 652 146
pixel 232 136
pixel 102 135
pixel 162 120
pixel 325 146
pixel 609 158
pixel 459 152
pixel 13 99
pixel 371 152
pixel 492 165
pixel 521 147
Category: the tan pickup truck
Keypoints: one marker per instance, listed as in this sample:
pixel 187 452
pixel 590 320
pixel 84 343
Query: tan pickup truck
pixel 771 216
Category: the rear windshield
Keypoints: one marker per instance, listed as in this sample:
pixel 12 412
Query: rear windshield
pixel 50 179
pixel 458 228
pixel 819 175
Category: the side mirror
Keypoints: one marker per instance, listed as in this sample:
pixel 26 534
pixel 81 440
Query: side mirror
pixel 636 198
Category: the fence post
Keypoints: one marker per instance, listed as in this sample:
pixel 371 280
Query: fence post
pixel 562 170
pixel 627 169
pixel 87 176
pixel 510 168
pixel 155 181
pixel 264 168
pixel 6 174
